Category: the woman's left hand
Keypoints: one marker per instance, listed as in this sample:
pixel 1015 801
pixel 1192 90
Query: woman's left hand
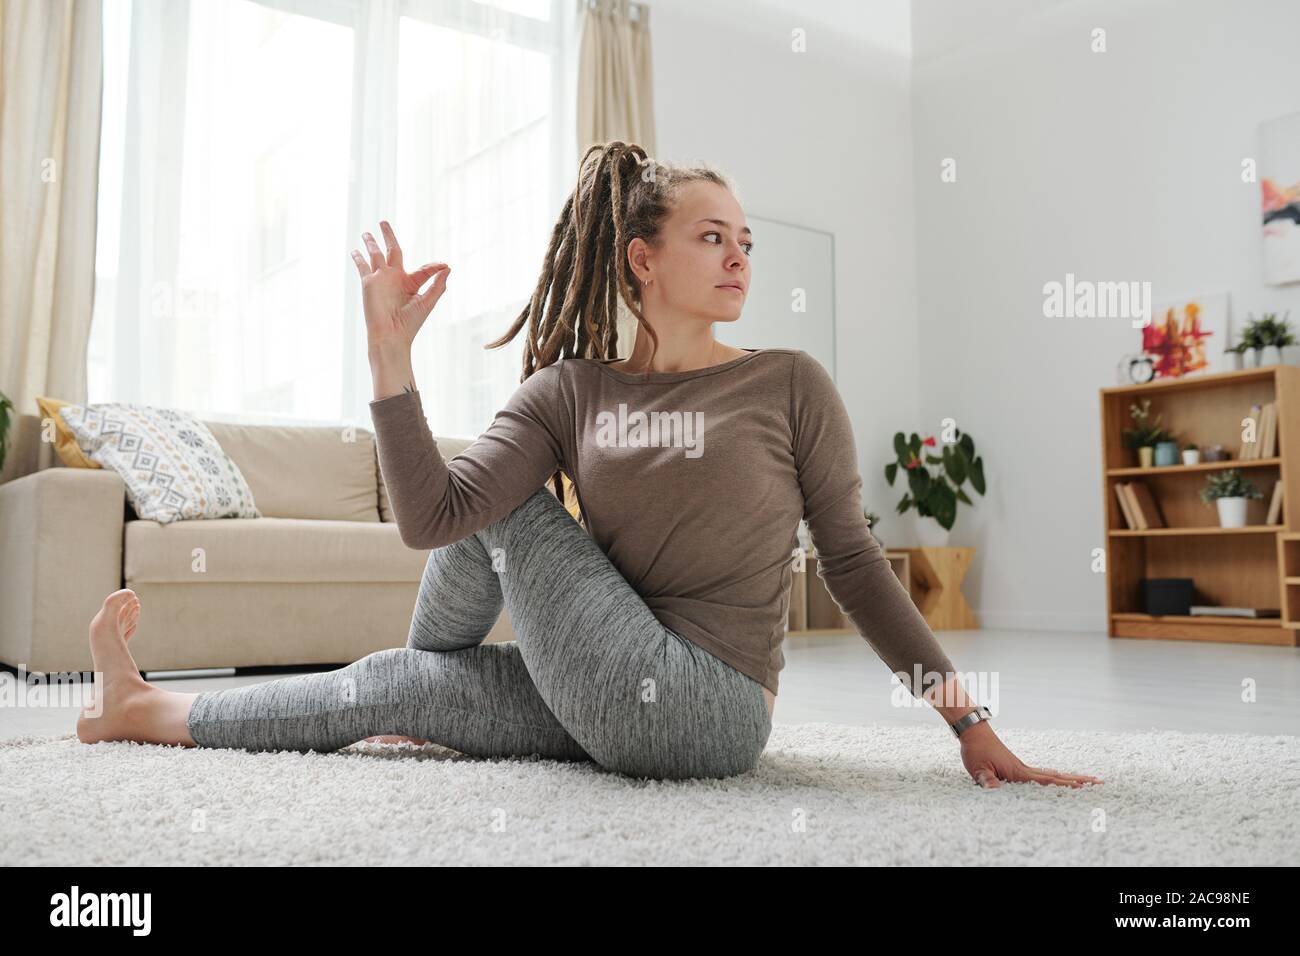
pixel 990 762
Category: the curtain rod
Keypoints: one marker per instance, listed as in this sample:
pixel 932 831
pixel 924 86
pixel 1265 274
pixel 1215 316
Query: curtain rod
pixel 632 5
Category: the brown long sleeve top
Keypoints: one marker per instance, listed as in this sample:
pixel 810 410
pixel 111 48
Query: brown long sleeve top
pixel 693 484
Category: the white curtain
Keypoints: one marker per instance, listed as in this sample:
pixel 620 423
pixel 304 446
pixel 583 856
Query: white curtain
pixel 253 142
pixel 50 75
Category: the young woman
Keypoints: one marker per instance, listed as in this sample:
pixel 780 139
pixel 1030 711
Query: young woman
pixel 650 640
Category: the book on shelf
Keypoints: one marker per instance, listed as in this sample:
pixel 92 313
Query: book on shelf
pixel 1251 422
pixel 1129 520
pixel 1269 448
pixel 1212 610
pixel 1141 512
pixel 1265 431
pixel 1148 512
pixel 1275 505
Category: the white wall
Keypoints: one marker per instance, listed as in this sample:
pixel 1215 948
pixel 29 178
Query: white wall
pixel 1114 166
pixel 823 139
pixel 1123 165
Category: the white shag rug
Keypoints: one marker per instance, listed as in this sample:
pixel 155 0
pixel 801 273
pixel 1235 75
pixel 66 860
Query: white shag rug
pixel 823 794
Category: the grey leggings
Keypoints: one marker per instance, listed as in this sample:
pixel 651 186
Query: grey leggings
pixel 591 675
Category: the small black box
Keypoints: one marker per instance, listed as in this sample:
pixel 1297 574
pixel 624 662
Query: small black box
pixel 1167 595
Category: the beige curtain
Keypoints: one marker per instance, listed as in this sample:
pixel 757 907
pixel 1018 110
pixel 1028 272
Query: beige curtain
pixel 615 100
pixel 51 72
pixel 616 93
pixel 615 75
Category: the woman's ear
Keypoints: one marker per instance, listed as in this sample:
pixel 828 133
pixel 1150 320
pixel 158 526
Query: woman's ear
pixel 636 259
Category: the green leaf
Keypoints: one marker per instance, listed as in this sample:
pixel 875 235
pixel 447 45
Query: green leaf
pixel 956 465
pixel 943 505
pixel 918 480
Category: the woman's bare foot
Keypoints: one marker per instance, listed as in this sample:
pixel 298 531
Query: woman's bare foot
pixel 123 690
pixel 129 599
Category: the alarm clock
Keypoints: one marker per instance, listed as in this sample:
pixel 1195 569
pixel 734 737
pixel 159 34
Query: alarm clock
pixel 1136 369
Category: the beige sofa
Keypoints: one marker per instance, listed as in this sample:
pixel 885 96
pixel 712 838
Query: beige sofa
pixel 322 578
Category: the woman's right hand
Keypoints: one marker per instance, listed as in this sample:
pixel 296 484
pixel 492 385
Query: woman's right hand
pixel 394 307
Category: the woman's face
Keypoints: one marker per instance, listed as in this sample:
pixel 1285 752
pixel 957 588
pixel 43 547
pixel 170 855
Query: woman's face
pixel 703 248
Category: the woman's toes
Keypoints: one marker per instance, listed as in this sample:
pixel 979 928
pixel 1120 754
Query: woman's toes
pixel 113 606
pixel 127 618
pixel 108 632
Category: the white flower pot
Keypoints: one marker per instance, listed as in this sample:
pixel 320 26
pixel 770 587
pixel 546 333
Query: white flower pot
pixel 1191 456
pixel 1232 512
pixel 930 533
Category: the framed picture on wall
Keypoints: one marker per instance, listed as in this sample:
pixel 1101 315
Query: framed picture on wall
pixel 1188 335
pixel 1279 187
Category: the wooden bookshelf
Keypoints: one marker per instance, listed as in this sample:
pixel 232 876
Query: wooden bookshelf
pixel 1252 566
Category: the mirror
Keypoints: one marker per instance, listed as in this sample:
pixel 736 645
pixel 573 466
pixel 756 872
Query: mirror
pixel 791 301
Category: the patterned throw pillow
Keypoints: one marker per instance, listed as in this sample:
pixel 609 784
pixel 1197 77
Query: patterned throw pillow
pixel 172 465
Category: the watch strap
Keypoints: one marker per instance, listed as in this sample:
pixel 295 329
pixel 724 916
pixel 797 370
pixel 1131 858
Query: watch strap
pixel 974 717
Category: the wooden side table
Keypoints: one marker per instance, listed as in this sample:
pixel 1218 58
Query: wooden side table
pixel 937 574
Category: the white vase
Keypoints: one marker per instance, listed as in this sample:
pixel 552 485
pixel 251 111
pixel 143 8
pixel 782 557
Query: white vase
pixel 1191 456
pixel 930 533
pixel 1232 512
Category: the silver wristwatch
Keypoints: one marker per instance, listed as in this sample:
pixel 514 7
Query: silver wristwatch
pixel 974 717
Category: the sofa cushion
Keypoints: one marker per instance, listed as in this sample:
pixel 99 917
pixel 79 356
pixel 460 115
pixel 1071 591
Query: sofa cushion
pixel 282 550
pixel 305 471
pixel 173 466
pixel 65 442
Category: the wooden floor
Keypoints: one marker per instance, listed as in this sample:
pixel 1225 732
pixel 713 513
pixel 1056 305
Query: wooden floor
pixel 1038 680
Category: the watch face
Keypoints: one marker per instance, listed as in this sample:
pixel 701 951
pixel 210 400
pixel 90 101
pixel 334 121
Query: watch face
pixel 1141 369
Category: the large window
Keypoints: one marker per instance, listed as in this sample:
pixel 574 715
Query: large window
pixel 248 143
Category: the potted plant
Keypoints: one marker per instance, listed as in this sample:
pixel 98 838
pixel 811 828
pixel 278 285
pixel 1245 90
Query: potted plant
pixel 6 419
pixel 1252 342
pixel 935 495
pixel 1229 491
pixel 1262 333
pixel 1145 433
pixel 1237 352
pixel 1275 333
pixel 1166 450
pixel 1191 454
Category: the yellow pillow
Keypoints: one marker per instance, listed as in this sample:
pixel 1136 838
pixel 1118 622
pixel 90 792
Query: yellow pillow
pixel 570 495
pixel 65 443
